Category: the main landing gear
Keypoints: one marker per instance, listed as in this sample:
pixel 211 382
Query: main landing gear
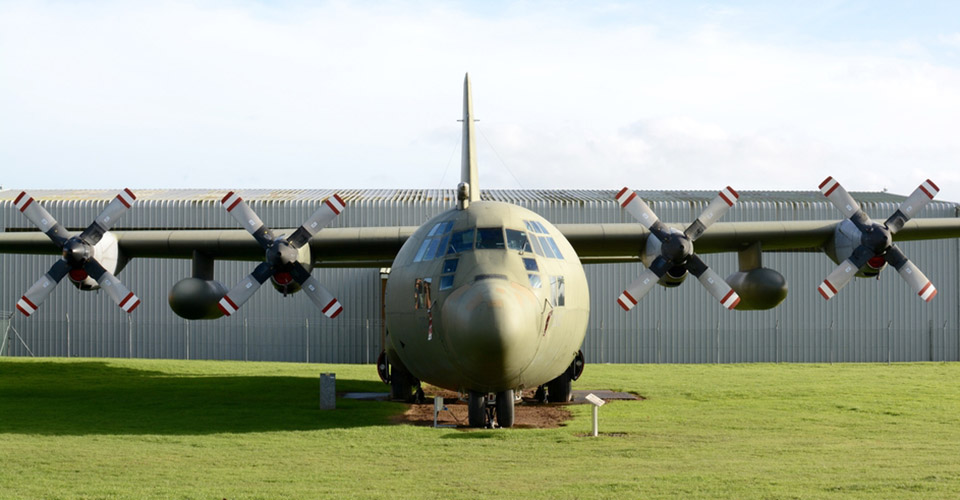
pixel 484 410
pixel 403 385
pixel 559 390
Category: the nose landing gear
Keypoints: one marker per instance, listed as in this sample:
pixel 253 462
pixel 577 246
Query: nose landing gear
pixel 486 411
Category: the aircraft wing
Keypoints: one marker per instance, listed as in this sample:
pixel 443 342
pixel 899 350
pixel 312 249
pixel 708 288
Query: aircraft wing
pixel 377 246
pixel 332 247
pixel 606 243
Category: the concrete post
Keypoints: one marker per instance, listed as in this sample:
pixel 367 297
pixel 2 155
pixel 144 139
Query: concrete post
pixel 328 391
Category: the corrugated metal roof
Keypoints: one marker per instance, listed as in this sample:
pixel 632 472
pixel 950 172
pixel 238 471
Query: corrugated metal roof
pixel 413 195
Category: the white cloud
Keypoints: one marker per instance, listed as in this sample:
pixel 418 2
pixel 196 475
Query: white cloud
pixel 358 95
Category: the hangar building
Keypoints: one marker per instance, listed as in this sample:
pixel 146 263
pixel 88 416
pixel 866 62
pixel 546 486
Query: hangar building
pixel 871 320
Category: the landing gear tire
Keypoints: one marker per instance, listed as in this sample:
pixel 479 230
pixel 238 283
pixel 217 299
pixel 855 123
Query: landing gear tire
pixel 477 409
pixel 559 390
pixel 401 384
pixel 505 413
pixel 541 395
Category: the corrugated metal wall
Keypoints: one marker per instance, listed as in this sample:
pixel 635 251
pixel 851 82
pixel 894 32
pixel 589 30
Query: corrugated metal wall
pixel 870 320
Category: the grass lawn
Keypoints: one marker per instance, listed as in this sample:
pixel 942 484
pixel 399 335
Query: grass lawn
pixel 93 428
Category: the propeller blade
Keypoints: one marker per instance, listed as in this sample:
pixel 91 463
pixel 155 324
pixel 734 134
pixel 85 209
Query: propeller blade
pixel 331 208
pixel 713 282
pixel 837 279
pixel 109 283
pixel 242 291
pixel 108 217
pixel 320 296
pixel 40 290
pixel 844 272
pixel 41 218
pixel 636 290
pixel 637 208
pixel 714 211
pixel 247 218
pixel 911 274
pixel 839 197
pixel 912 205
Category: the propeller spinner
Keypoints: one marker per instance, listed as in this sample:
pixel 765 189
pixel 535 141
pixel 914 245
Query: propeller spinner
pixel 676 249
pixel 281 255
pixel 876 240
pixel 78 253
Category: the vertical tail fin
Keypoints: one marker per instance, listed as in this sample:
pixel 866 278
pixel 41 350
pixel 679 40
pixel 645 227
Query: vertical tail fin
pixel 468 163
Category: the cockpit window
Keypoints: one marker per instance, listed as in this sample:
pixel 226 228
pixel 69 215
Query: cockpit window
pixel 490 238
pixel 435 243
pixel 535 227
pixel 536 245
pixel 547 249
pixel 461 241
pixel 553 246
pixel 517 240
pixel 441 228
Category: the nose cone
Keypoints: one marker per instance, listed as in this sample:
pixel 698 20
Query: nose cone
pixel 492 326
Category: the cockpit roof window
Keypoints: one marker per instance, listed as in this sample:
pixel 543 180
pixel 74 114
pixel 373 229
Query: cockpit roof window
pixel 536 245
pixel 441 228
pixel 554 247
pixel 435 243
pixel 490 238
pixel 547 249
pixel 535 227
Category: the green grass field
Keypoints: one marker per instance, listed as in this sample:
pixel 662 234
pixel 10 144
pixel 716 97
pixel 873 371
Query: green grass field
pixel 196 429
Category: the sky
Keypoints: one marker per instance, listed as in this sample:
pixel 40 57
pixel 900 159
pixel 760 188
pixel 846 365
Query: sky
pixel 569 95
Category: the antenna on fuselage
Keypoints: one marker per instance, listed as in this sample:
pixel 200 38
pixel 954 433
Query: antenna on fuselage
pixel 469 188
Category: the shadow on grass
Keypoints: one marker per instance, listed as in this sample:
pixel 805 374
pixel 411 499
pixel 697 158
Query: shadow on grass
pixel 92 397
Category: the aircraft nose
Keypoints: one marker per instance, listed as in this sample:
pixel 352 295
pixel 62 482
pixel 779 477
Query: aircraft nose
pixel 492 326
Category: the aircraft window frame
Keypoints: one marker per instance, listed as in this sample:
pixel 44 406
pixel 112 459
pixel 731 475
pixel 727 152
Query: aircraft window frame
pixel 432 249
pixel 498 243
pixel 547 251
pixel 440 251
pixel 434 244
pixel 450 265
pixel 422 250
pixel 531 264
pixel 535 281
pixel 421 293
pixel 465 246
pixel 558 291
pixel 512 242
pixel 554 247
pixel 446 282
pixel 536 245
pixel 529 226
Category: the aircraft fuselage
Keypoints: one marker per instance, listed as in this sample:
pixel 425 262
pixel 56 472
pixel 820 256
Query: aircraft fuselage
pixel 487 298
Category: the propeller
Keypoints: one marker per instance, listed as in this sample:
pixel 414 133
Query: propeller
pixel 281 255
pixel 876 240
pixel 78 253
pixel 676 249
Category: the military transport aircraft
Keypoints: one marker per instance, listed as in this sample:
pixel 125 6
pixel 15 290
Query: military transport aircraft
pixel 486 298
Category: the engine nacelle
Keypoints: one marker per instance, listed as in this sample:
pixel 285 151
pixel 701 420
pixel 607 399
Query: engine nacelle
pixel 759 289
pixel 283 282
pixel 195 298
pixel 107 254
pixel 675 275
pixel 845 240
